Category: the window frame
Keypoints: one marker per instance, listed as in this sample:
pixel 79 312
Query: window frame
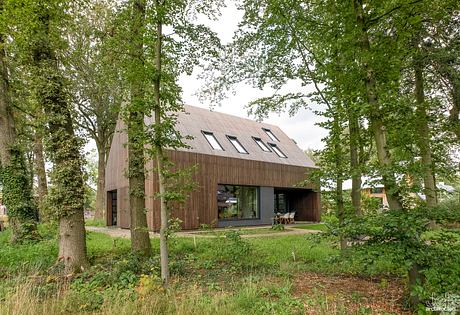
pixel 209 133
pixel 234 138
pixel 271 135
pixel 257 140
pixel 258 200
pixel 275 147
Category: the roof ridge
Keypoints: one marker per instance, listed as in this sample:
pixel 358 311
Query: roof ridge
pixel 231 115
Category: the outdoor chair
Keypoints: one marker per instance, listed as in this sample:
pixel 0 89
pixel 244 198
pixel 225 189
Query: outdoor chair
pixel 284 219
pixel 291 218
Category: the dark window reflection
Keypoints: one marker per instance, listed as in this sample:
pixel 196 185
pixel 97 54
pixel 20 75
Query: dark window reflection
pixel 237 202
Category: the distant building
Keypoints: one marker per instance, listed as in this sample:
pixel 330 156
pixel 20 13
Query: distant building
pixel 375 189
pixel 246 173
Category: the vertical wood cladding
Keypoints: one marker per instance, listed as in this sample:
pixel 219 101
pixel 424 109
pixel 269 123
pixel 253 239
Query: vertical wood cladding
pixel 201 206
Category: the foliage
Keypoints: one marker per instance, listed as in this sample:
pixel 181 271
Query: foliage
pixel 16 188
pixel 278 227
pixel 249 276
pixel 406 238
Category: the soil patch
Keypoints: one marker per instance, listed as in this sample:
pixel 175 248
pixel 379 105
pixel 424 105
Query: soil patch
pixel 358 295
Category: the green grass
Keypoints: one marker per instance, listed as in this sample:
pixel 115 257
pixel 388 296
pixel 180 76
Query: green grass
pixel 316 227
pixel 94 222
pixel 226 275
pixel 242 231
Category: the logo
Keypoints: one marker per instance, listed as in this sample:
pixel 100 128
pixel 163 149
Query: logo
pixel 446 304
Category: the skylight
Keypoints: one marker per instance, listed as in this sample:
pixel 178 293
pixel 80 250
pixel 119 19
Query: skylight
pixel 212 140
pixel 261 144
pixel 277 150
pixel 271 135
pixel 238 146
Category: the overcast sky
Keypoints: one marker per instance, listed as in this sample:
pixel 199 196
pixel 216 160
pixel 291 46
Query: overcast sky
pixel 301 127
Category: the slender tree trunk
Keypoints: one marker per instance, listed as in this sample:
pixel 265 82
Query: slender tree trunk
pixel 42 183
pixel 375 117
pixel 164 217
pixel 17 188
pixel 339 175
pixel 100 191
pixel 454 112
pixel 340 210
pixel 423 138
pixel 140 241
pixel 354 162
pixel 63 146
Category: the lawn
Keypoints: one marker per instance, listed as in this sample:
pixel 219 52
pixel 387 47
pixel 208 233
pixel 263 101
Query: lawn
pixel 242 231
pixel 316 227
pixel 293 274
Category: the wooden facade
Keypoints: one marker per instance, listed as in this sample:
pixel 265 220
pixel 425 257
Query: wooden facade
pixel 201 206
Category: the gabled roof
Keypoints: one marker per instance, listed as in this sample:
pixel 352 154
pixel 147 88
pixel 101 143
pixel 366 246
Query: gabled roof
pixel 197 120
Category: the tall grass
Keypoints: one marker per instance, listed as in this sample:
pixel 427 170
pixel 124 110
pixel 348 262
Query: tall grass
pixel 226 275
pixel 251 297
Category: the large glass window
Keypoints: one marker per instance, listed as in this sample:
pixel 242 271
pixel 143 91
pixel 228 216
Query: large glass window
pixel 237 202
pixel 280 203
pixel 377 190
pixel 212 140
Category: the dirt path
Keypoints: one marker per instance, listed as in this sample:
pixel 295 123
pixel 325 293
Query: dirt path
pixel 356 294
pixel 125 233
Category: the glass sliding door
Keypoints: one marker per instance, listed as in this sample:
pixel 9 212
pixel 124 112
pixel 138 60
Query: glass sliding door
pixel 281 203
pixel 237 202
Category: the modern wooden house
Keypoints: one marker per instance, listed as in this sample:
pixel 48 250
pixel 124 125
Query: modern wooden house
pixel 246 172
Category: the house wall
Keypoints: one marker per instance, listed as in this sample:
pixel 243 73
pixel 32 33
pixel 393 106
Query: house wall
pixel 381 195
pixel 201 206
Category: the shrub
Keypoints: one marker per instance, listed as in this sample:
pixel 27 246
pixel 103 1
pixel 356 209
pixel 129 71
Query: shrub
pixel 278 227
pixel 406 239
pixel 232 249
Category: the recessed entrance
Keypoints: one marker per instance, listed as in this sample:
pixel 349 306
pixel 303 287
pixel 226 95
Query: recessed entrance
pixel 112 215
pixel 301 201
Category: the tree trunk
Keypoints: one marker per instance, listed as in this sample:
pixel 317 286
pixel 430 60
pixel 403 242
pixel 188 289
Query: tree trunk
pixel 63 146
pixel 17 188
pixel 42 183
pixel 340 211
pixel 354 162
pixel 454 112
pixel 336 131
pixel 140 241
pixel 423 138
pixel 100 191
pixel 375 117
pixel 72 246
pixel 415 278
pixel 164 217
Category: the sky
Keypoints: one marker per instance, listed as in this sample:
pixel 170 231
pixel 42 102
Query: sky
pixel 301 127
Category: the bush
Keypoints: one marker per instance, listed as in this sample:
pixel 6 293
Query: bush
pixel 405 239
pixel 233 250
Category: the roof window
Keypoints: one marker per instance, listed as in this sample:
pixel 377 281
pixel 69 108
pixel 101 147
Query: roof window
pixel 238 146
pixel 212 140
pixel 261 144
pixel 277 150
pixel 270 134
